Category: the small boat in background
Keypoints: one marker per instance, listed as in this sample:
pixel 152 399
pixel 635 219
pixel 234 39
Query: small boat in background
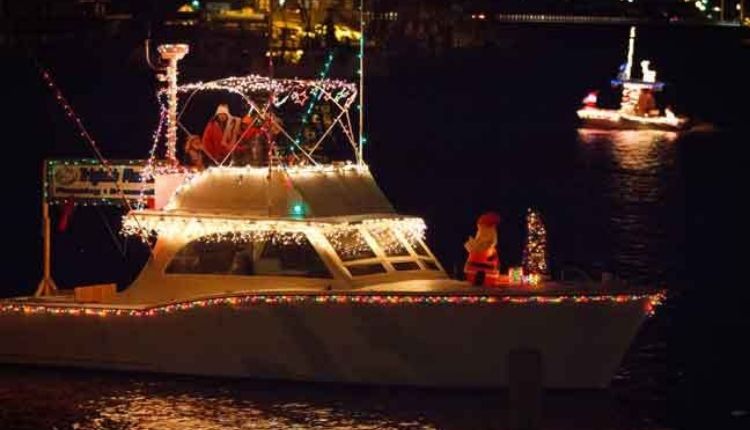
pixel 638 108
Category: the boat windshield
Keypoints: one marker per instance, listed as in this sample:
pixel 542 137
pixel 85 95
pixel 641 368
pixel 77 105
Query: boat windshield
pixel 350 245
pixel 381 249
pixel 272 255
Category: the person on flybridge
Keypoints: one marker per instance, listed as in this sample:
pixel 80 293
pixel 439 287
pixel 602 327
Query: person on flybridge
pixel 233 141
pixel 220 134
pixel 194 152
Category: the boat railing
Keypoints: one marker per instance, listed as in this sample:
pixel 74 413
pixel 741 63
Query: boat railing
pixel 581 276
pixel 577 273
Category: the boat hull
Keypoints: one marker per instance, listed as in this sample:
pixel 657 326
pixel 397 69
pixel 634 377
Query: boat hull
pixel 604 119
pixel 603 124
pixel 442 345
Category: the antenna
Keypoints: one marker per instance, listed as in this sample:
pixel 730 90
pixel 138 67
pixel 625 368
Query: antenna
pixel 360 158
pixel 270 40
pixel 147 46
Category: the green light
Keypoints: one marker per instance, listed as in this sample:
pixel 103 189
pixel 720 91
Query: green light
pixel 298 210
pixel 316 95
pixel 196 4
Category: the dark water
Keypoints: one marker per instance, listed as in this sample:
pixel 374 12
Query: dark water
pixel 450 137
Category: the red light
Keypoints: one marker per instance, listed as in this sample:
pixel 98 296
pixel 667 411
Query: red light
pixel 591 99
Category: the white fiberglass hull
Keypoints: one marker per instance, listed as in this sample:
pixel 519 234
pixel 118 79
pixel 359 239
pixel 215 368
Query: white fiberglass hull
pixel 446 345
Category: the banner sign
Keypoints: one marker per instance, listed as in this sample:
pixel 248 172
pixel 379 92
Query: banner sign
pixel 87 181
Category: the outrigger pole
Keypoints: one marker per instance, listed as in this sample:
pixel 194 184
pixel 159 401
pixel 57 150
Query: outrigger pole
pixel 47 285
pixel 360 158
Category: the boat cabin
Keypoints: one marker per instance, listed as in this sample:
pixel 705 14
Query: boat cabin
pixel 229 230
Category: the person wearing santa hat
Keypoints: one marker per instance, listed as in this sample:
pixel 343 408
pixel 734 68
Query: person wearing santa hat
pixel 481 266
pixel 220 134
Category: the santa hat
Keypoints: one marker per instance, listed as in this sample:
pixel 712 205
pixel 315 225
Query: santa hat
pixel 489 219
pixel 222 109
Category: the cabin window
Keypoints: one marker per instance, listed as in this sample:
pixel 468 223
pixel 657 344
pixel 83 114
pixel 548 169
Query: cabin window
pixel 431 265
pixel 416 244
pixel 269 256
pixel 210 258
pixel 350 245
pixel 365 269
pixel 389 242
pixel 405 265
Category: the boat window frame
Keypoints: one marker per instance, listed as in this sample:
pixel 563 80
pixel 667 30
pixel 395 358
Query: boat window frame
pixel 367 240
pixel 320 254
pixel 382 258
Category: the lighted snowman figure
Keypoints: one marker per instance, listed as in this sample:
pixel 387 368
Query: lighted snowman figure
pixel 648 74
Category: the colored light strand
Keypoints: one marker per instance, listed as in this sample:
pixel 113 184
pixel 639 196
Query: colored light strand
pixel 82 131
pixel 53 164
pixel 314 98
pixel 340 93
pixel 148 171
pixel 361 74
pixel 535 251
pixel 652 301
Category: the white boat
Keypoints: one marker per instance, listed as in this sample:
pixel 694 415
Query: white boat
pixel 638 109
pixel 306 272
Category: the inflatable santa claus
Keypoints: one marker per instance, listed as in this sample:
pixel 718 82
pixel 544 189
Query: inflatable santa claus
pixel 482 264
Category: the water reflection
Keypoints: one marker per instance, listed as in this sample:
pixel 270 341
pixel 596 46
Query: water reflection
pixel 142 409
pixel 89 400
pixel 637 172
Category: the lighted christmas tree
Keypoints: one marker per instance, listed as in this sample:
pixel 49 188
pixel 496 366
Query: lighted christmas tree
pixel 535 252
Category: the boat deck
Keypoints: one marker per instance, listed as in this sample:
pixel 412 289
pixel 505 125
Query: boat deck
pixel 405 291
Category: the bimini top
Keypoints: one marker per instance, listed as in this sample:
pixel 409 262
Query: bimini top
pixel 294 90
pixel 303 192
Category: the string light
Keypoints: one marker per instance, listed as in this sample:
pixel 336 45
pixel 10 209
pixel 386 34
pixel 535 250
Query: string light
pixel 149 223
pixel 340 93
pixel 535 251
pixel 53 167
pixel 386 238
pixel 172 54
pixel 361 74
pixel 651 302
pixel 69 112
pixel 148 171
pixel 82 131
pixel 196 178
pixel 315 97
pixel 616 117
pixel 349 242
pixel 296 90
